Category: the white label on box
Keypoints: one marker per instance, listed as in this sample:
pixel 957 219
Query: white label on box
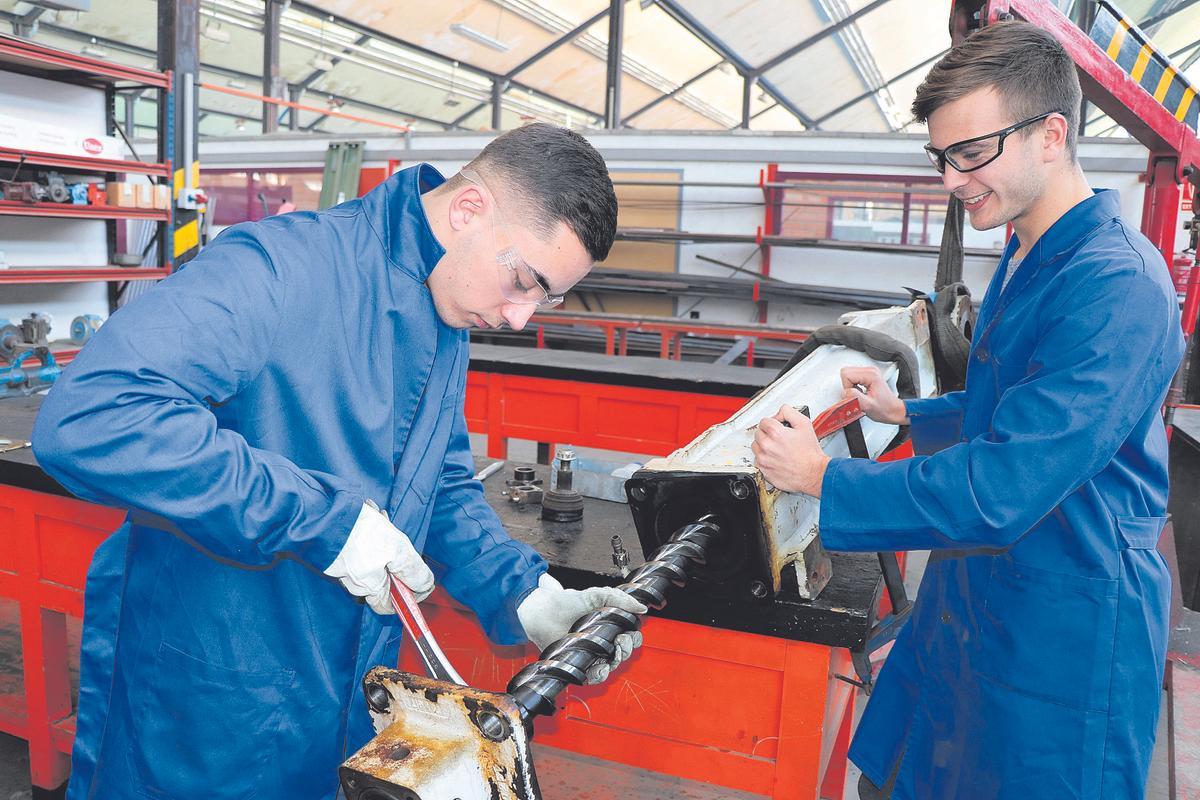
pixel 21 134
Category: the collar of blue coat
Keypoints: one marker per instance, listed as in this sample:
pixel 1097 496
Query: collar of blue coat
pixel 395 206
pixel 1071 227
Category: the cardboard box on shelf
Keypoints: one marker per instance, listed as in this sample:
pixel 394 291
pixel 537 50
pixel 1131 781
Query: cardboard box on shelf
pixel 162 196
pixel 42 137
pixel 121 194
pixel 145 195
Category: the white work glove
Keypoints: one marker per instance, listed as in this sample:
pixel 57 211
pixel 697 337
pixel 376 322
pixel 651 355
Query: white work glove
pixel 549 611
pixel 374 548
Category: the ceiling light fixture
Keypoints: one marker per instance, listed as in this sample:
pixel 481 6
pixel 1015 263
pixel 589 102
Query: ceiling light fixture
pixel 234 83
pixel 468 32
pixel 213 31
pixel 94 50
pixel 320 61
pixel 452 100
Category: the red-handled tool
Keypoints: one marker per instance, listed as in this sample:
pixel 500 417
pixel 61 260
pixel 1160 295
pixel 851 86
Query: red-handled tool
pixel 414 622
pixel 846 416
pixel 837 416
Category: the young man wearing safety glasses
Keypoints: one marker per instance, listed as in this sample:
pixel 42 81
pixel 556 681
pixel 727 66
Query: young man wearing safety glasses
pixel 1032 664
pixel 291 403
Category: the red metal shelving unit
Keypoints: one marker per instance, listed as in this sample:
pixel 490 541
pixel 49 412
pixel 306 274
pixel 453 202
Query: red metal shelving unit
pixel 76 274
pixel 83 164
pixel 20 55
pixel 18 209
pixel 28 58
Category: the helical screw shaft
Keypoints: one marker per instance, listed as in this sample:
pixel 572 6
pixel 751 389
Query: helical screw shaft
pixel 593 636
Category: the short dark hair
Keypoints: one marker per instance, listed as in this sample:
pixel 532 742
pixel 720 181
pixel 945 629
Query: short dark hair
pixel 1028 67
pixel 558 177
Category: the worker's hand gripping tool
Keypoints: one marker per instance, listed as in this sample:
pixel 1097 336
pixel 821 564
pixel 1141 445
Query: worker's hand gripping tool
pixel 439 739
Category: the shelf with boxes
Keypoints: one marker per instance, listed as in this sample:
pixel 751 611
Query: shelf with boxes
pixel 59 171
pixel 81 205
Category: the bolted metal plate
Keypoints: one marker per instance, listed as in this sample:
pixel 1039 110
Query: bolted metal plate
pixel 440 741
pixel 739 566
pixel 772 536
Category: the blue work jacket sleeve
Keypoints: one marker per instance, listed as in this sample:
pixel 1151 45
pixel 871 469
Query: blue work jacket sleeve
pixel 131 421
pixel 936 421
pixel 471 554
pixel 1103 358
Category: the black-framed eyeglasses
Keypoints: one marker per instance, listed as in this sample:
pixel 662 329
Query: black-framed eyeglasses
pixel 979 151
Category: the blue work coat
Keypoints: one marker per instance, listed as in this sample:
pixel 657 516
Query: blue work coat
pixel 254 399
pixel 1032 665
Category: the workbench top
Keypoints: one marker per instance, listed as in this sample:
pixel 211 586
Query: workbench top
pixel 580 554
pixel 1187 422
pixel 639 371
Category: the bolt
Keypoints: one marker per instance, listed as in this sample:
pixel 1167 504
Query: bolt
pixel 620 555
pixel 758 589
pixel 739 489
pixel 379 699
pixel 492 726
pixel 637 492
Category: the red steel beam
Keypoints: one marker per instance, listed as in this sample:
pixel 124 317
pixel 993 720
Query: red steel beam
pixel 21 51
pixel 82 274
pixel 84 163
pixel 18 209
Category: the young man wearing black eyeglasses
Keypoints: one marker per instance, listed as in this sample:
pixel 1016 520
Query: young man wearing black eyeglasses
pixel 1032 664
pixel 291 402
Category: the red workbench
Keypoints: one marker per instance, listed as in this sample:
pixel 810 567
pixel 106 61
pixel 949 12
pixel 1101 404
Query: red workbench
pixel 754 712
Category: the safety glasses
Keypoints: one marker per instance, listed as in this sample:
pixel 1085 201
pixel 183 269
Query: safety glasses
pixel 979 151
pixel 519 282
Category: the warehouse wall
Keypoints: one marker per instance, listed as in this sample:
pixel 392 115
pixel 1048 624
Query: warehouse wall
pixel 732 158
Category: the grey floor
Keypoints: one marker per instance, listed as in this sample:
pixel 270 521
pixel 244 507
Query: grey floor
pixel 14 769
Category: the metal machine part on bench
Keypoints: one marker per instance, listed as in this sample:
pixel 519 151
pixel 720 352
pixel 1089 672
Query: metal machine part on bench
pixel 28 341
pixel 562 503
pixel 524 489
pixel 715 474
pixel 440 740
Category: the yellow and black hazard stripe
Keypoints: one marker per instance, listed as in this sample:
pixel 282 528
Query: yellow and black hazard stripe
pixel 185 238
pixel 1125 44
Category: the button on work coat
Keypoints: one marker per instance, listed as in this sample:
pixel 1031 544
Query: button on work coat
pixel 254 399
pixel 1032 665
